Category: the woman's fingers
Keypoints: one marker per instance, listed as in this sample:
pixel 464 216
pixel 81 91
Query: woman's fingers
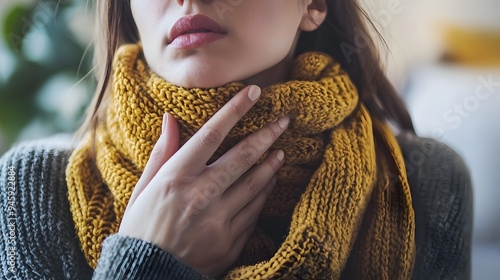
pixel 177 184
pixel 167 145
pixel 248 215
pixel 229 167
pixel 239 243
pixel 250 185
pixel 198 149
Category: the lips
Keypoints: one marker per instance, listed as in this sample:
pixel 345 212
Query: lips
pixel 194 30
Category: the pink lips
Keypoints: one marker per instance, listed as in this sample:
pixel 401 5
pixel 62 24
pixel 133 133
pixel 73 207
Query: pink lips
pixel 194 31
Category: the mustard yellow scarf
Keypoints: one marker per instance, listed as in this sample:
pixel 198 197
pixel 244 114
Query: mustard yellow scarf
pixel 343 183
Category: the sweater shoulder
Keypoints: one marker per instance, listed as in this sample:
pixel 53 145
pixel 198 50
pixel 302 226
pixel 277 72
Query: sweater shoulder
pixel 437 174
pixel 42 229
pixel 441 190
pixel 37 166
pixel 425 154
pixel 59 145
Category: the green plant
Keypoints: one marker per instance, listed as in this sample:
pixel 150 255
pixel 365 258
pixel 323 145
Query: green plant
pixel 42 40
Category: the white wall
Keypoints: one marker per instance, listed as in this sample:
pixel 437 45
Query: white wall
pixel 413 28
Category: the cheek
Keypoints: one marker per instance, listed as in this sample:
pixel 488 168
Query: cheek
pixel 148 15
pixel 270 27
pixel 274 18
pixel 263 37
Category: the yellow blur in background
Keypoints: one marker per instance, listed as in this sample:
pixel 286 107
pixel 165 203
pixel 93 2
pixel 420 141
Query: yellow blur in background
pixel 473 47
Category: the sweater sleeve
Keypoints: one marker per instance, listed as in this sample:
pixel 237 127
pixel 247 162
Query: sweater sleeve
pixel 37 230
pixel 129 258
pixel 442 198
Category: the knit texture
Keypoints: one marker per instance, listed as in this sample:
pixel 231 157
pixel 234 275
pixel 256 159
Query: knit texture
pixel 339 162
pixel 47 246
pixel 43 243
pixel 40 245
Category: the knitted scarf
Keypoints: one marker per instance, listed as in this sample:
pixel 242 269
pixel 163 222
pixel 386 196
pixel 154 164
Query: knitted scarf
pixel 342 193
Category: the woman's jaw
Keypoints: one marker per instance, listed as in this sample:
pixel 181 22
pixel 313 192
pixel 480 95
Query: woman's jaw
pixel 253 43
pixel 207 72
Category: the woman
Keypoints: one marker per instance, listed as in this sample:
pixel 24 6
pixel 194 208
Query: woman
pixel 174 177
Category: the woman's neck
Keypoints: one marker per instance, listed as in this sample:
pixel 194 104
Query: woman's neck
pixel 276 74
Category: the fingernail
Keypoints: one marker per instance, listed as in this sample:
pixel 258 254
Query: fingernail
pixel 283 122
pixel 280 155
pixel 254 93
pixel 164 124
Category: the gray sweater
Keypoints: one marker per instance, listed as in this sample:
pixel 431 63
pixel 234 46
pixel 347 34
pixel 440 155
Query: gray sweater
pixel 39 239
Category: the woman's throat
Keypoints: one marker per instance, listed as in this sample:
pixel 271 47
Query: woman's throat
pixel 276 74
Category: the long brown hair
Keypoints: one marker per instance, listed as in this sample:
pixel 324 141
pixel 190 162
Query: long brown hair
pixel 345 36
pixel 338 36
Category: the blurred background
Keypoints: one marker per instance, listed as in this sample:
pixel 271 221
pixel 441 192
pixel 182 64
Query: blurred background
pixel 41 67
pixel 444 58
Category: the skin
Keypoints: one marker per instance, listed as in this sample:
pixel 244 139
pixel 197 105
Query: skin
pixel 257 49
pixel 203 222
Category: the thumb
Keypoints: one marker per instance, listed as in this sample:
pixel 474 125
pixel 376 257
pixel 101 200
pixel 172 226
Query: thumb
pixel 166 146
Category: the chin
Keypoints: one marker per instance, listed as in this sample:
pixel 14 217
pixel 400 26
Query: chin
pixel 201 71
pixel 200 82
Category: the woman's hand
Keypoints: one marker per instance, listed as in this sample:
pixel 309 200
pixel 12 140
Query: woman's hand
pixel 205 214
